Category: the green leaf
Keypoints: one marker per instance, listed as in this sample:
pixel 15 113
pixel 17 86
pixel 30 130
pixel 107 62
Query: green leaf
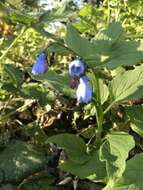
pixel 38 92
pixel 94 169
pixel 102 47
pixel 62 14
pixel 132 178
pixel 135 114
pixel 114 151
pixel 104 92
pixel 19 160
pixel 59 82
pixel 21 18
pixel 81 46
pixel 8 86
pixel 59 49
pixel 114 31
pixel 105 41
pixel 14 74
pixel 127 85
pixel 74 146
pixel 124 53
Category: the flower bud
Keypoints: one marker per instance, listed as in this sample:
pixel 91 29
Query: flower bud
pixel 73 83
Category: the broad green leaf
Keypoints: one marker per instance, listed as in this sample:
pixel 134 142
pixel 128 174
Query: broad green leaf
pixel 105 40
pixel 59 82
pixel 102 47
pixel 74 146
pixel 62 14
pixel 104 92
pixel 124 53
pixel 118 71
pixel 94 169
pixel 114 31
pixel 19 160
pixel 114 151
pixel 59 49
pixel 135 114
pixel 8 86
pixel 114 50
pixel 132 177
pixel 14 74
pixel 127 85
pixel 80 45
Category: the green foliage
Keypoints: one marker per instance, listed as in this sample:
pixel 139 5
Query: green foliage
pixel 132 178
pixel 93 169
pixel 62 14
pixel 19 160
pixel 127 85
pixel 78 153
pixel 35 108
pixel 79 162
pixel 79 45
pixel 104 92
pixel 57 81
pixel 14 74
pixel 114 153
pixel 135 115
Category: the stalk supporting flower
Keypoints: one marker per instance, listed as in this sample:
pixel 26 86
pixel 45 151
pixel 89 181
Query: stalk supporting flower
pixel 84 93
pixel 41 65
pixel 76 68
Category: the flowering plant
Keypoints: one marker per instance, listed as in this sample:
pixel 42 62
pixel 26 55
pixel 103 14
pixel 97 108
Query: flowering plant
pixel 82 97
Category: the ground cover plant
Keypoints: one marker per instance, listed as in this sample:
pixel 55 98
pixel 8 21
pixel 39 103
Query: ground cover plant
pixel 71 95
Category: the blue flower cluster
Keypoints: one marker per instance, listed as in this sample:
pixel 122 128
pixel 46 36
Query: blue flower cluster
pixel 76 70
pixel 41 65
pixel 83 92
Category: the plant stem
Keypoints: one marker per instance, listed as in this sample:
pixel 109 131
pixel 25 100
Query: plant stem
pixel 109 107
pixel 99 110
pixel 108 17
pixel 13 43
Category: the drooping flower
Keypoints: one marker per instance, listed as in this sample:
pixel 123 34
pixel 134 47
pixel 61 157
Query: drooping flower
pixel 41 65
pixel 83 92
pixel 76 68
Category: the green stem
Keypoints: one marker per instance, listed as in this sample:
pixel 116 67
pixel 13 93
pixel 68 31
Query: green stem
pixel 117 11
pixel 109 107
pixel 99 110
pixel 108 17
pixel 8 49
pixel 13 43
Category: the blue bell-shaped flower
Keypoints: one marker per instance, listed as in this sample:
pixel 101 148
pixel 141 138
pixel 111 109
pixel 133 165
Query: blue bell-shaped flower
pixel 41 65
pixel 83 92
pixel 76 68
